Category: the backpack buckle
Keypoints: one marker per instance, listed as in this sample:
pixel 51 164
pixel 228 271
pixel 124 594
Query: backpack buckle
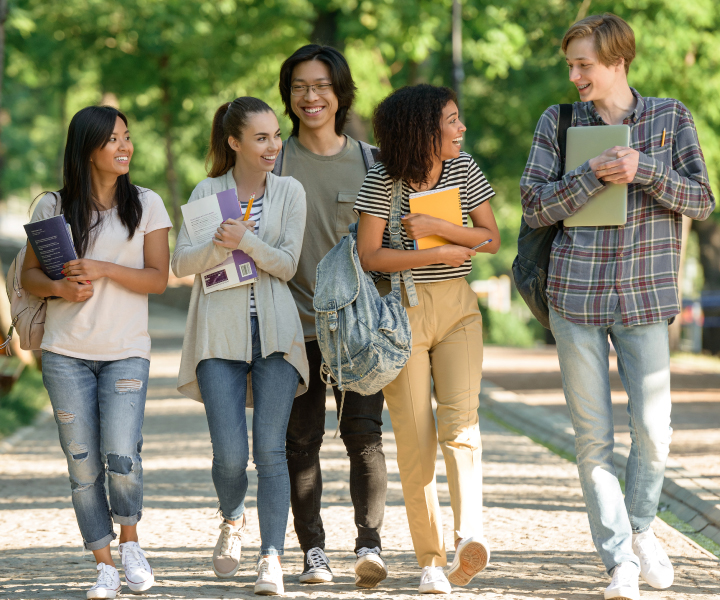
pixel 332 316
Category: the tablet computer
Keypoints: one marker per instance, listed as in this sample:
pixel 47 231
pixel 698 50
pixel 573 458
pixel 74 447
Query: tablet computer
pixel 609 206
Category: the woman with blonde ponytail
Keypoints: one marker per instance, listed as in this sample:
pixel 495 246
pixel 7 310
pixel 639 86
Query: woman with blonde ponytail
pixel 247 330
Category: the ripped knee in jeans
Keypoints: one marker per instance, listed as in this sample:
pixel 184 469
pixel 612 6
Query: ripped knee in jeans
pixel 79 452
pixel 119 465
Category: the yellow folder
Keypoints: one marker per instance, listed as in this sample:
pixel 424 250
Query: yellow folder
pixel 444 204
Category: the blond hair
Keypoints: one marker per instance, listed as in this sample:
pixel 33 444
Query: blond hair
pixel 614 38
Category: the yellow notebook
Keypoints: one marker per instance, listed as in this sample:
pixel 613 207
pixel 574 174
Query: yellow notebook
pixel 443 203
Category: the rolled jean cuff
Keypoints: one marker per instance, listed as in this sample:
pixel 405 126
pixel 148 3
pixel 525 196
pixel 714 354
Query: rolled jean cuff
pixel 131 520
pixel 272 551
pixel 101 543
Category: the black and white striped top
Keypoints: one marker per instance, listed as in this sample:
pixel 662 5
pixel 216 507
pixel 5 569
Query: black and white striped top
pixel 375 198
pixel 255 213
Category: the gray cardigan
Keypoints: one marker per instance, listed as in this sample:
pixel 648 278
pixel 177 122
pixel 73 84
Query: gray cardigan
pixel 218 324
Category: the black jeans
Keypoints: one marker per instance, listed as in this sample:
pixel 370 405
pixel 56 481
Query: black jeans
pixel 360 431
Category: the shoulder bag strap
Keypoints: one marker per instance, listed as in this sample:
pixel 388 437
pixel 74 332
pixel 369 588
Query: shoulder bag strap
pixel 369 154
pixel 564 122
pixel 396 243
pixel 58 204
pixel 277 169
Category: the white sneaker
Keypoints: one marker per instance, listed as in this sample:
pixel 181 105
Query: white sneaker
pixel 108 583
pixel 624 584
pixel 226 555
pixel 270 577
pixel 138 574
pixel 370 568
pixel 472 554
pixel 655 566
pixel 433 581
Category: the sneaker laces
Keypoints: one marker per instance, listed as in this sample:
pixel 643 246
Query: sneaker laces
pixel 316 557
pixel 264 567
pixel 105 578
pixel 648 547
pixel 625 574
pixel 230 538
pixel 430 574
pixel 132 556
pixel 363 551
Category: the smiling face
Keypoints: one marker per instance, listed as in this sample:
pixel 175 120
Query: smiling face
pixel 452 132
pixel 114 157
pixel 594 80
pixel 259 142
pixel 315 111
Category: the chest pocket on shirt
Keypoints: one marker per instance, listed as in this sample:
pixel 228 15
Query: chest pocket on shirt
pixel 345 213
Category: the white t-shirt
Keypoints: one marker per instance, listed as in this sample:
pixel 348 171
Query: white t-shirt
pixel 113 323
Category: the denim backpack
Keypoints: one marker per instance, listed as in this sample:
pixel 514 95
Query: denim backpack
pixel 530 267
pixel 365 340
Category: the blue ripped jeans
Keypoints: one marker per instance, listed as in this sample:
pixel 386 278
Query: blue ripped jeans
pixel 223 384
pixel 99 408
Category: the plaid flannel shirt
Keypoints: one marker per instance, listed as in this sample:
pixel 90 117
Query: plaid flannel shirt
pixel 594 268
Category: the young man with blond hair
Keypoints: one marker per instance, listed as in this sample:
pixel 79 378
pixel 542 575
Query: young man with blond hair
pixel 619 281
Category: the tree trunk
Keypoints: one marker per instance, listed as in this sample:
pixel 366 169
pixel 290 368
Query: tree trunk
pixel 458 72
pixel 325 29
pixel 170 172
pixel 709 236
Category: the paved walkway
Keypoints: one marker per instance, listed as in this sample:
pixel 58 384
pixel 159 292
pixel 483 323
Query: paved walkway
pixel 534 516
pixel 533 392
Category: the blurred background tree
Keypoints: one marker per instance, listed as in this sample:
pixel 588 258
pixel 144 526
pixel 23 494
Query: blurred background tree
pixel 170 63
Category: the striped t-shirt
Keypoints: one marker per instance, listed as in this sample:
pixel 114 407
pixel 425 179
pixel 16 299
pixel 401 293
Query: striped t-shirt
pixel 255 213
pixel 375 198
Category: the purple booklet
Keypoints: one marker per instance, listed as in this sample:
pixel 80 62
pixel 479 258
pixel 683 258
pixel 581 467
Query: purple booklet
pixel 202 218
pixel 52 243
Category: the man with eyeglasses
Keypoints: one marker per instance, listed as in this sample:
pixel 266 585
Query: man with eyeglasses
pixel 318 90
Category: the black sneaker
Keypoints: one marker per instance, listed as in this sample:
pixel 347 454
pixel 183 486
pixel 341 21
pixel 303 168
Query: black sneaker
pixel 317 567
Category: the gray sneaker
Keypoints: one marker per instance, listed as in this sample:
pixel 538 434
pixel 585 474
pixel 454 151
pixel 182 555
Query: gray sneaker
pixel 226 556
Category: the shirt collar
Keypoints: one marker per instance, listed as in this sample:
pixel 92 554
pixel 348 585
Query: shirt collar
pixel 634 116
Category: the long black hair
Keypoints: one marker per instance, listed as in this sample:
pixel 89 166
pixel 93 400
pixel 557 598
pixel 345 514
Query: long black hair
pixel 91 129
pixel 408 130
pixel 342 82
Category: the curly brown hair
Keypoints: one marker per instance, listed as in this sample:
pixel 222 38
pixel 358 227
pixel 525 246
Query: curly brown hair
pixel 408 130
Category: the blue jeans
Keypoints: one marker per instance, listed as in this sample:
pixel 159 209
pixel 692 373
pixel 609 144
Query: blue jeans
pixel 643 358
pixel 223 387
pixel 99 408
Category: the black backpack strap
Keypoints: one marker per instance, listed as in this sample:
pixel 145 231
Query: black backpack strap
pixel 564 121
pixel 277 169
pixel 369 154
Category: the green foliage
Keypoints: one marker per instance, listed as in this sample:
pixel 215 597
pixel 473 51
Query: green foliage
pixel 26 398
pixel 171 63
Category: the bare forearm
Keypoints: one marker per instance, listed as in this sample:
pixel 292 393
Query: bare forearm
pixel 142 281
pixel 470 237
pixel 39 284
pixel 387 260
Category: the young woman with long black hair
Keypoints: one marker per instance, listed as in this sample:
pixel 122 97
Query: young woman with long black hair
pixel 96 347
pixel 252 329
pixel 419 133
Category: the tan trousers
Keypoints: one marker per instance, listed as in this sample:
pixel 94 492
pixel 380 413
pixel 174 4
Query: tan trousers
pixel 447 346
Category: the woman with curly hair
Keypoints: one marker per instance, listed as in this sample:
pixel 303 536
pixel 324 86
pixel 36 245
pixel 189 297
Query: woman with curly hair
pixel 419 134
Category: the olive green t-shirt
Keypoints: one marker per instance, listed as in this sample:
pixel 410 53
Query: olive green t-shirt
pixel 331 186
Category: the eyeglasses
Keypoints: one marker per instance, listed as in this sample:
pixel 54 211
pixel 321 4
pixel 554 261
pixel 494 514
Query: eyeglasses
pixel 319 88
